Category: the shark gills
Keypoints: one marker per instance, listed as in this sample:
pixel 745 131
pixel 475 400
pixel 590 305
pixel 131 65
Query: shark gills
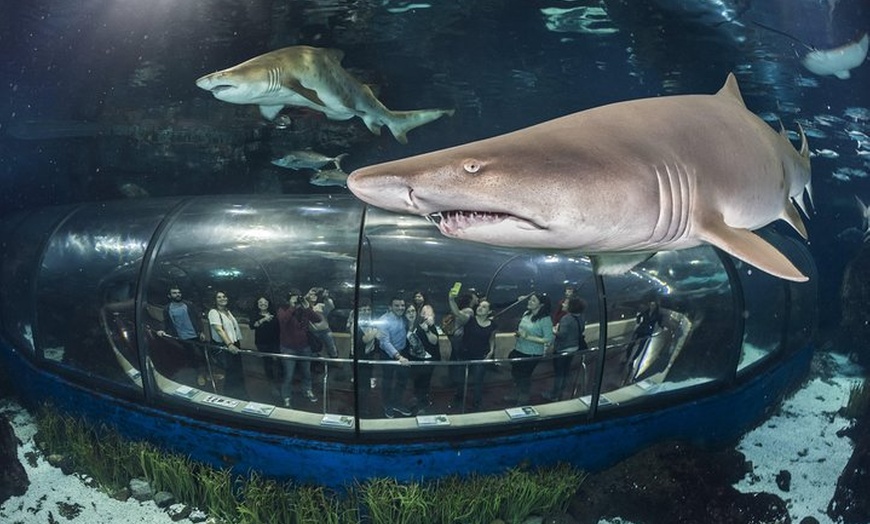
pixel 618 182
pixel 313 78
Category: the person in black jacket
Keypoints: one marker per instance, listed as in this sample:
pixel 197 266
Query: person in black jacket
pixel 264 324
pixel 182 320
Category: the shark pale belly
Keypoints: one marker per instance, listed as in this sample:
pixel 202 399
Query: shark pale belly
pixel 838 61
pixel 310 77
pixel 617 182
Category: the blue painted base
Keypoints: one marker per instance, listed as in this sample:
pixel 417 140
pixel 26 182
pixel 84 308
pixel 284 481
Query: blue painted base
pixel 712 420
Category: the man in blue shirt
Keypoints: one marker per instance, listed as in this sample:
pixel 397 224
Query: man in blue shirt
pixel 182 320
pixel 392 338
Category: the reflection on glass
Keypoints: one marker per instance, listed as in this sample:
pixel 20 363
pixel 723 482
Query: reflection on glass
pixel 655 340
pixel 87 284
pixel 401 328
pixel 253 251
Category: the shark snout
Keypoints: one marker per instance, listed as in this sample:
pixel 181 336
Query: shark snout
pixel 215 82
pixel 205 82
pixel 385 191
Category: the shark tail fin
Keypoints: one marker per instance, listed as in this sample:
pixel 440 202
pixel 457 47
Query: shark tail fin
pixel 400 122
pixel 337 160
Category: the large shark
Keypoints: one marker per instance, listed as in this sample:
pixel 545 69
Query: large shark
pixel 310 77
pixel 617 182
pixel 838 61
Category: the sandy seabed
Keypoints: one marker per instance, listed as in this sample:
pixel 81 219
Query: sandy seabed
pixel 800 438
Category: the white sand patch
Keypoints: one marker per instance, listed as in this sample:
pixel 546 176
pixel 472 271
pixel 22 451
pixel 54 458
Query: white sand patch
pixel 802 439
pixel 50 489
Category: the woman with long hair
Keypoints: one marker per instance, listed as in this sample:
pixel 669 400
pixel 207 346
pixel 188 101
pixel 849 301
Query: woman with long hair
pixel 534 334
pixel 225 332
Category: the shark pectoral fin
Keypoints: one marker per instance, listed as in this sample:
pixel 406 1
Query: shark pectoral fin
pixel 843 75
pixel 304 92
pixel 617 264
pixel 791 215
pixel 270 112
pixel 752 249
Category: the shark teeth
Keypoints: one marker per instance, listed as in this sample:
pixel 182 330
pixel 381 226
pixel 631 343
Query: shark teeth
pixel 450 222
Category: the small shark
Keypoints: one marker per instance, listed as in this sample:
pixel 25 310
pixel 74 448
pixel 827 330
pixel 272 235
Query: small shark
pixel 307 159
pixel 617 182
pixel 837 61
pixel 311 77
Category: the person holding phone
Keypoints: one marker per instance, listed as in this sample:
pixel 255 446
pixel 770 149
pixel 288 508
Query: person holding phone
pixel 534 334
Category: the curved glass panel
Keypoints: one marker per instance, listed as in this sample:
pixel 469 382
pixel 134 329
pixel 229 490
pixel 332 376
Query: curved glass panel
pixel 772 314
pixel 250 248
pixel 89 272
pixel 764 316
pixel 671 325
pixel 803 296
pixel 404 255
pixel 23 238
pixel 356 351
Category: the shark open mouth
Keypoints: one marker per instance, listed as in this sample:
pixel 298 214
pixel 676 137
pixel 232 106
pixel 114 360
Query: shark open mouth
pixel 221 87
pixel 451 222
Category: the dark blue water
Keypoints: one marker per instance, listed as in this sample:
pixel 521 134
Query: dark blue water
pixel 100 94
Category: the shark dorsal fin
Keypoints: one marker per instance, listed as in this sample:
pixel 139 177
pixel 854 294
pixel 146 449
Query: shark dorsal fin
pixel 731 89
pixel 334 54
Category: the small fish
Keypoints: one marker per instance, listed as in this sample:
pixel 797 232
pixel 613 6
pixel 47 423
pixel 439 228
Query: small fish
pixel 825 153
pixel 406 8
pixel 828 120
pixel 307 159
pixel 131 190
pixel 859 137
pixel 330 177
pixel 857 114
pixel 847 174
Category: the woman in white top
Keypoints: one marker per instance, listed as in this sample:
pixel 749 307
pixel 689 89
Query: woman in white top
pixel 225 332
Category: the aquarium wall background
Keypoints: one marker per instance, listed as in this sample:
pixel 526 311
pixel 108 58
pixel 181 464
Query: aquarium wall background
pixel 99 100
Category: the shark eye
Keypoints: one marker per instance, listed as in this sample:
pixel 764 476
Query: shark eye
pixel 472 166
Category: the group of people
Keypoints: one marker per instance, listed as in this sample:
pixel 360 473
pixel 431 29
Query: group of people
pixel 406 333
pixel 289 330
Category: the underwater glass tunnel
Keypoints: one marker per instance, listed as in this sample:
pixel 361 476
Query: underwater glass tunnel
pixel 85 290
